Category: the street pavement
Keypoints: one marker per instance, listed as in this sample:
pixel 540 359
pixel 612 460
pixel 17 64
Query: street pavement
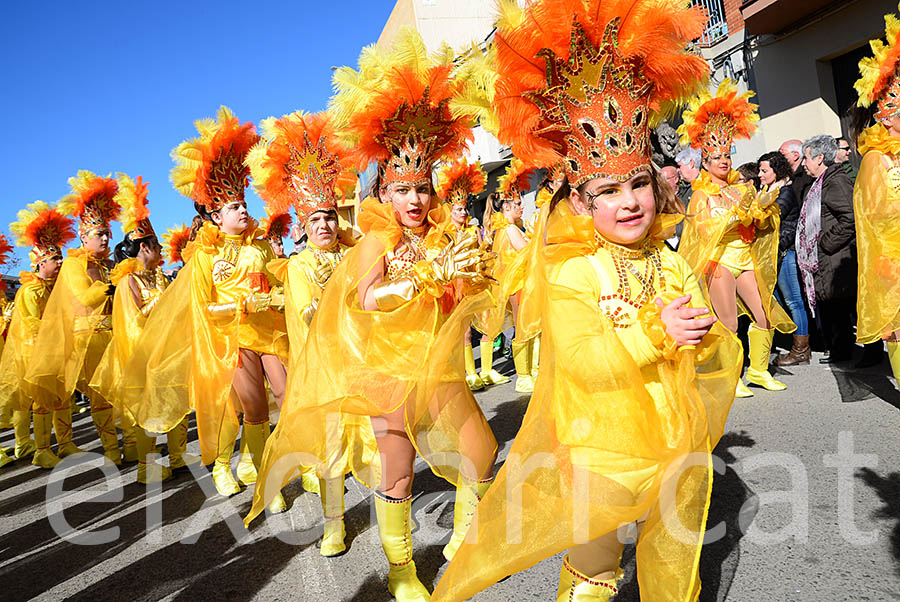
pixel 808 495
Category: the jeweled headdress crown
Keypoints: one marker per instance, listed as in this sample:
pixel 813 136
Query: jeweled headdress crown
pixel 711 123
pixel 459 180
pixel 43 228
pixel 92 201
pixel 135 215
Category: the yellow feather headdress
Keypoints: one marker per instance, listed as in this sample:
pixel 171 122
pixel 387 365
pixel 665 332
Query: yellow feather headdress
pixel 43 228
pixel 711 123
pixel 879 82
pixel 135 214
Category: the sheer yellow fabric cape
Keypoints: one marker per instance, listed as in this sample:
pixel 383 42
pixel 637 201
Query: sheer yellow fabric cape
pixel 509 274
pixel 15 394
pixel 357 364
pixel 705 227
pixel 185 359
pixel 876 206
pixel 72 338
pixel 128 323
pixel 596 450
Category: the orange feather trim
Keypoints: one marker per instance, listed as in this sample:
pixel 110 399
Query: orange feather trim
pixel 176 240
pixel 48 228
pixel 460 179
pixel 515 180
pixel 5 249
pixel 276 226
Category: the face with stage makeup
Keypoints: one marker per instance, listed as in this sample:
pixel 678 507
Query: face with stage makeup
pixel 410 203
pixel 622 212
pixel 96 241
pixel 232 218
pixel 321 229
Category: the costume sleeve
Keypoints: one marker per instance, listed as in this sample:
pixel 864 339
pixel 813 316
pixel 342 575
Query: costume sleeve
pixel 30 308
pixel 837 195
pixel 91 294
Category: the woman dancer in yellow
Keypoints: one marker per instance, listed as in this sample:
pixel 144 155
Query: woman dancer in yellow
pixel 298 164
pixel 218 334
pixel 456 183
pixel 731 235
pixel 139 283
pixel 400 311
pixel 46 231
pixel 640 378
pixel 876 195
pixel 76 325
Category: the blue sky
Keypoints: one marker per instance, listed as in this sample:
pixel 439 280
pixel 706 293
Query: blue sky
pixel 114 86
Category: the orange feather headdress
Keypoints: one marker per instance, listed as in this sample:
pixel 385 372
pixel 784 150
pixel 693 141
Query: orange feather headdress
pixel 298 162
pixel 5 249
pixel 711 123
pixel 92 201
pixel 395 110
pixel 176 239
pixel 210 169
pixel 43 228
pixel 135 216
pixel 879 81
pixel 515 180
pixel 459 180
pixel 580 80
pixel 276 226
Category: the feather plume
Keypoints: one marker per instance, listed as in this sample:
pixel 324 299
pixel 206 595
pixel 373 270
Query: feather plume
pixel 276 226
pixel 461 179
pixel 476 94
pixel 877 71
pixel 93 194
pixel 5 249
pixel 132 198
pixel 727 104
pixel 176 239
pixel 515 180
pixel 40 223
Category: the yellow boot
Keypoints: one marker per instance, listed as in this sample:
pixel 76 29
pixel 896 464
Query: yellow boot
pixel 535 355
pixel 488 375
pixel 524 381
pixel 246 470
pixel 62 425
pixel 576 587
pixel 43 456
pixel 148 472
pixel 760 350
pixel 5 458
pixel 256 435
pixel 310 481
pixel 742 390
pixel 396 541
pixel 332 492
pixel 176 440
pixel 22 426
pixel 106 429
pixel 221 472
pixel 467 499
pixel 472 379
pixel 129 442
pixel 893 349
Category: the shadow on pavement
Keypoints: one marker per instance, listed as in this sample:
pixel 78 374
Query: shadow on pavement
pixel 857 385
pixel 888 490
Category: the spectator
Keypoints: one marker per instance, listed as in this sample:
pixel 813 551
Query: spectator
pixel 843 158
pixel 826 247
pixel 669 173
pixel 792 150
pixel 688 160
pixel 749 174
pixel 775 173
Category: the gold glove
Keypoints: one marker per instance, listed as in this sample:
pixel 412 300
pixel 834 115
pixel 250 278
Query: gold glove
pixel 310 310
pixel 766 197
pixel 257 302
pixel 322 273
pixel 277 299
pixel 149 305
pixel 463 260
pixel 221 310
pixel 391 294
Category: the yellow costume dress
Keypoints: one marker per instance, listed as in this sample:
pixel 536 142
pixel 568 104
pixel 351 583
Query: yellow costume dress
pixel 188 352
pixel 876 207
pixel 615 414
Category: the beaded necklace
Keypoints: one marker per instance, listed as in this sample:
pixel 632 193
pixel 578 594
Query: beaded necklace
pixel 411 250
pixel 623 259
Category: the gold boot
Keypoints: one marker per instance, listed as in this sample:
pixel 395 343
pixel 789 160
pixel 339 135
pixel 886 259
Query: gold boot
pixel 106 429
pixel 129 442
pixel 256 435
pixel 893 349
pixel 535 355
pixel 488 375
pixel 396 541
pixel 43 455
pixel 62 425
pixel 148 472
pixel 221 472
pixel 5 458
pixel 332 492
pixel 246 470
pixel 22 426
pixel 742 390
pixel 524 381
pixel 310 481
pixel 576 587
pixel 176 440
pixel 760 350
pixel 472 379
pixel 467 499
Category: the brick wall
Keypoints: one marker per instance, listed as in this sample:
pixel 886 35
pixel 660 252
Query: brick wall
pixel 733 15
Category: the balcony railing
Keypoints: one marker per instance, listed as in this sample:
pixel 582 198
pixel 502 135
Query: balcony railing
pixel 717 26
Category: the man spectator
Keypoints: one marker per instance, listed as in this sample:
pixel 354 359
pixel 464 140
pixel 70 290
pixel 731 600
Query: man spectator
pixel 826 246
pixel 688 160
pixel 843 158
pixel 792 150
pixel 669 173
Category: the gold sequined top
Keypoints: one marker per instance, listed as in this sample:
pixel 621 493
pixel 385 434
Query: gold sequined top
pixel 409 251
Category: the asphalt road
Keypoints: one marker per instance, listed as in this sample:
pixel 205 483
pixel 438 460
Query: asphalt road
pixel 809 496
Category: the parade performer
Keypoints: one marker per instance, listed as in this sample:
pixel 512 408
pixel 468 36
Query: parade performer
pixel 509 239
pixel 275 227
pixel 218 334
pixel 639 380
pixel 298 163
pixel 731 235
pixel 876 195
pixel 456 183
pixel 139 283
pixel 396 370
pixel 76 325
pixel 46 231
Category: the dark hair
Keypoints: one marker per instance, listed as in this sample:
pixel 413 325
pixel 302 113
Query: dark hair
pixel 750 171
pixel 129 248
pixel 203 216
pixel 666 201
pixel 779 165
pixel 860 119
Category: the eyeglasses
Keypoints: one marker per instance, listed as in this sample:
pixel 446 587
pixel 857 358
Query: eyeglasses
pixel 844 148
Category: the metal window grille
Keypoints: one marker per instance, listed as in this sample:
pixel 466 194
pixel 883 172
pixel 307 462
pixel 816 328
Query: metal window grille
pixel 717 26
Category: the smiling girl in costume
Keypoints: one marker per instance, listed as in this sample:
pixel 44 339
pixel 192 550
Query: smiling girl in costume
pixel 639 378
pixel 731 235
